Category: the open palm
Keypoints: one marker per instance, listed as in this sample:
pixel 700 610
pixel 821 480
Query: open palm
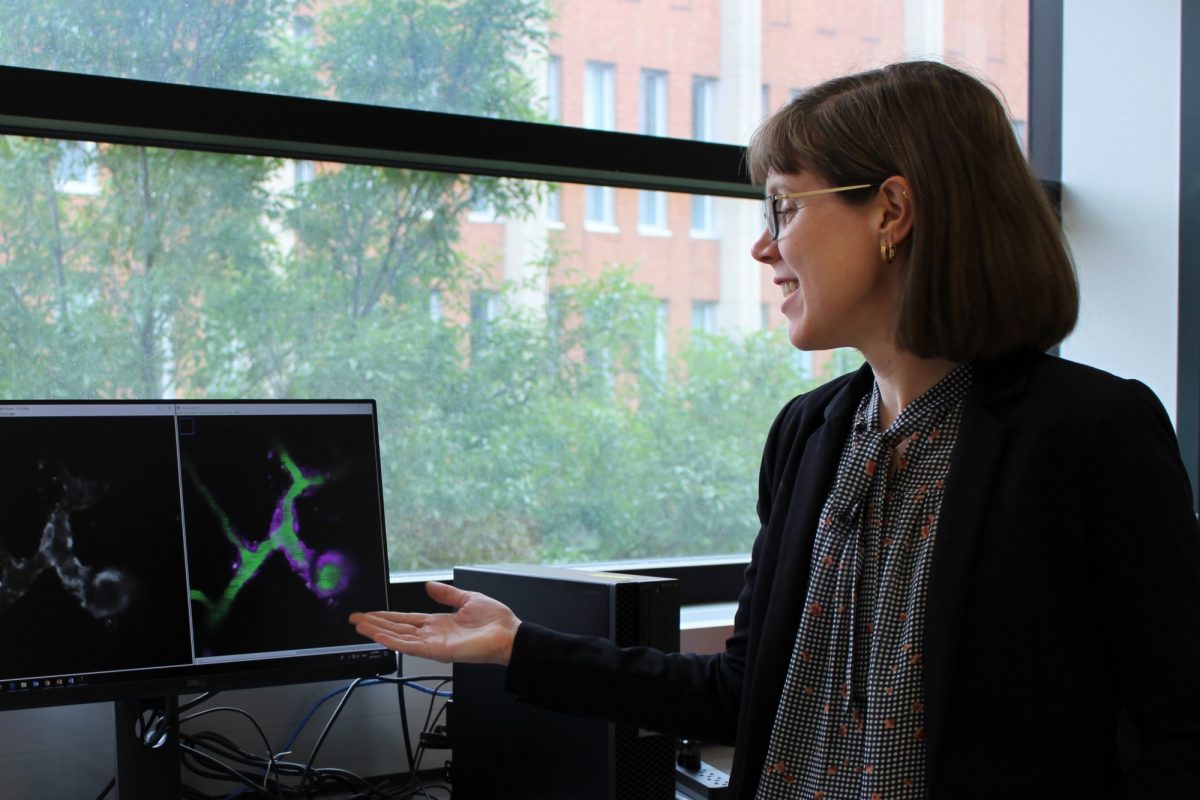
pixel 479 630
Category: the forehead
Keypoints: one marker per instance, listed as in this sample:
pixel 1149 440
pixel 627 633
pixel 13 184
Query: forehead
pixel 785 182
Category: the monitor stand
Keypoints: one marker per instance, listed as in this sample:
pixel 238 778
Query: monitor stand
pixel 147 748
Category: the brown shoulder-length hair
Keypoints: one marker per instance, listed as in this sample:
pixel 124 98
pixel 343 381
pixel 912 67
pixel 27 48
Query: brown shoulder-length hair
pixel 987 267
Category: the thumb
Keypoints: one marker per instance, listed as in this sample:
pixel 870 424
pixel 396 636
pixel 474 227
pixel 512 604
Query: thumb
pixel 446 594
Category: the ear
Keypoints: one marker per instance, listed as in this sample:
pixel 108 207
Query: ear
pixel 894 201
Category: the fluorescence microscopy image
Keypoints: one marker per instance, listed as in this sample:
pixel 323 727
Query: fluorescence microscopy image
pixel 91 549
pixel 284 530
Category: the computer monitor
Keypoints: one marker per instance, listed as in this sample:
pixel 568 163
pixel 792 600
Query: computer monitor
pixel 151 549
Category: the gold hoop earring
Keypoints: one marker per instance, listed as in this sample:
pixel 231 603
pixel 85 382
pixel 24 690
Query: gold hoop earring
pixel 887 251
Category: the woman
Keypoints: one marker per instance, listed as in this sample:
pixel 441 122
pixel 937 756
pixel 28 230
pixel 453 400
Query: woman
pixel 978 571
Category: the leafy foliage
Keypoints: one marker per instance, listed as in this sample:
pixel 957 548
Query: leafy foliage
pixel 552 433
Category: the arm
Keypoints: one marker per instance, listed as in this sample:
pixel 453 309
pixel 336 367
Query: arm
pixel 672 693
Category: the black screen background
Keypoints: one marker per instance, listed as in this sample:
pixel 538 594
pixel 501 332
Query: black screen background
pixel 133 526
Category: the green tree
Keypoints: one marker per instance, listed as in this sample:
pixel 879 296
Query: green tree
pixel 156 251
pixel 547 434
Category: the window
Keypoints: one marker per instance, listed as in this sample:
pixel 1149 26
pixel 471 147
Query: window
pixel 482 208
pixel 652 213
pixel 599 209
pixel 302 171
pixel 704 129
pixel 600 111
pixel 485 310
pixel 76 170
pixel 1018 126
pixel 662 327
pixel 652 206
pixel 554 89
pixel 654 103
pixel 704 316
pixel 337 271
pixel 599 96
pixel 554 206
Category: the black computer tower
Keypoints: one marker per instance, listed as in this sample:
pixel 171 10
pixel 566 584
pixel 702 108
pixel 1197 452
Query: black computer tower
pixel 505 750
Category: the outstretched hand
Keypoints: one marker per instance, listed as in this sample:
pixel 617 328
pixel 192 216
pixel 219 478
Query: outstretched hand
pixel 480 630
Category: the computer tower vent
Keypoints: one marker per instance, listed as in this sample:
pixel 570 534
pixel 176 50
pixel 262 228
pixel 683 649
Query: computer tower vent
pixel 639 765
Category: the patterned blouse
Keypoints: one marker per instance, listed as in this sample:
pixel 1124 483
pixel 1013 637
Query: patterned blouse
pixel 850 723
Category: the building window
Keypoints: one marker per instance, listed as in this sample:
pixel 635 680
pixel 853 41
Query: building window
pixel 600 112
pixel 554 89
pixel 481 208
pixel 662 319
pixel 76 171
pixel 485 310
pixel 553 206
pixel 653 116
pixel 599 96
pixel 704 316
pixel 1019 130
pixel 652 213
pixel 704 129
pixel 599 208
pixel 303 171
pixel 652 121
pixel 704 109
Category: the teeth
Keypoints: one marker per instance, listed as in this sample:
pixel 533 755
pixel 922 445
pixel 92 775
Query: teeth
pixel 789 287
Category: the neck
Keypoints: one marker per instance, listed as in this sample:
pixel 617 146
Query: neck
pixel 902 378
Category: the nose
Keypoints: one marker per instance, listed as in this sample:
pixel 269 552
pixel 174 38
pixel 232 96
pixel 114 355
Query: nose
pixel 765 249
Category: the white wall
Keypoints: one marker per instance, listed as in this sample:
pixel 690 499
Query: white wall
pixel 1121 84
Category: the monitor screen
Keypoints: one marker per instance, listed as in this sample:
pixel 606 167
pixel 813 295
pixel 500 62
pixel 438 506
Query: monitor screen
pixel 164 548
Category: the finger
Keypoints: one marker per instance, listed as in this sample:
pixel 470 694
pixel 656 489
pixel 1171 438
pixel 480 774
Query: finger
pixel 369 628
pixel 446 594
pixel 394 618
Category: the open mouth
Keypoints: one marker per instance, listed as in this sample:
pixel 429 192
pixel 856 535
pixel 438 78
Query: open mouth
pixel 789 288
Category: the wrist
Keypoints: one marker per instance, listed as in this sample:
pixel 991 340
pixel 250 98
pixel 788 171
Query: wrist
pixel 507 642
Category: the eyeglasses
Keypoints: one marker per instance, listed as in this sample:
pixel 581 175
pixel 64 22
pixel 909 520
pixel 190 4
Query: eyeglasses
pixel 771 213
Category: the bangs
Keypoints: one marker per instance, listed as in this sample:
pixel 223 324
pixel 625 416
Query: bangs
pixel 779 145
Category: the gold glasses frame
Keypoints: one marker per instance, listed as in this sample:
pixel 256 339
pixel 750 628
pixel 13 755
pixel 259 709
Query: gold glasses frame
pixel 771 213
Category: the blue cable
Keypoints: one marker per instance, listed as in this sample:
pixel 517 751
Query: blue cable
pixel 340 690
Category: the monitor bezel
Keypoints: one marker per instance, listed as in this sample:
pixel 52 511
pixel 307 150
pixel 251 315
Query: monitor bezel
pixel 190 679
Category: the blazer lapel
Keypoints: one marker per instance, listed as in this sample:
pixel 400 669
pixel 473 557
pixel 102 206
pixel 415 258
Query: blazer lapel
pixel 811 478
pixel 814 480
pixel 972 471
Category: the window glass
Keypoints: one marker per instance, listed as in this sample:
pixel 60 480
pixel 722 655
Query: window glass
pixel 542 393
pixel 518 59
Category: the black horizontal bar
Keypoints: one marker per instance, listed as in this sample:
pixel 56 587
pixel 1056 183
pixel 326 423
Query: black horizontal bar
pixel 59 104
pixel 704 580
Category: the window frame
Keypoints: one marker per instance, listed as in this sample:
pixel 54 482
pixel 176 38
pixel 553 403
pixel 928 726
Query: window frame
pixel 124 111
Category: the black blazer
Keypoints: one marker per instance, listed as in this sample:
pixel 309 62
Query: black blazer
pixel 1062 631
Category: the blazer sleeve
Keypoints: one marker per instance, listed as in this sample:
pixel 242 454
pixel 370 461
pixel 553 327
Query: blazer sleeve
pixel 1145 558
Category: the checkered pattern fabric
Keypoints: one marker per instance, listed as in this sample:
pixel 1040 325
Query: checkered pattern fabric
pixel 850 723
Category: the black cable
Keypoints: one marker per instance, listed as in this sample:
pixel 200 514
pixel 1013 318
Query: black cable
pixel 328 726
pixel 195 701
pixel 230 772
pixel 408 751
pixel 257 727
pixel 426 728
